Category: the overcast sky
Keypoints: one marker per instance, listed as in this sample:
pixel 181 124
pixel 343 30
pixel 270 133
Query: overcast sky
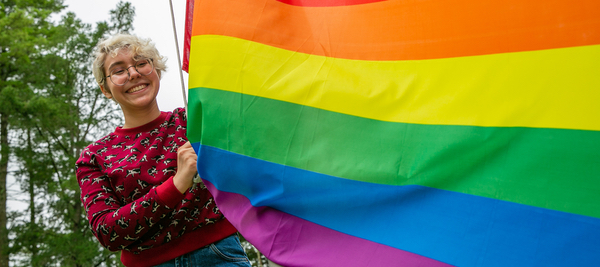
pixel 152 20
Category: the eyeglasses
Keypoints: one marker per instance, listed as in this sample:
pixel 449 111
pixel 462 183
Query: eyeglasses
pixel 119 76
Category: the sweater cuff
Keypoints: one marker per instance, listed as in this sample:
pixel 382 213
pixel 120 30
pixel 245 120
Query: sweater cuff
pixel 169 194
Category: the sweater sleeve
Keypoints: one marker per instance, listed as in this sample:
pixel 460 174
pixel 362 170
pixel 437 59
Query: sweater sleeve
pixel 117 224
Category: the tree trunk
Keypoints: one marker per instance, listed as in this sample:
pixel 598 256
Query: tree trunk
pixel 31 190
pixel 4 154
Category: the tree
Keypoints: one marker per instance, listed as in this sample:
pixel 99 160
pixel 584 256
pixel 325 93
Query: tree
pixel 57 112
pixel 256 258
pixel 24 29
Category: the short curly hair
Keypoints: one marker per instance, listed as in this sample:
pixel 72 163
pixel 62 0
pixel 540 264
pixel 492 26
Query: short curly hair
pixel 140 48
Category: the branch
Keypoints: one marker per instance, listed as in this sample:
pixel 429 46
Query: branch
pixel 51 157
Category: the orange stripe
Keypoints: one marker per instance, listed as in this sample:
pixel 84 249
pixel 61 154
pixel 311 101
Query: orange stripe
pixel 327 2
pixel 405 29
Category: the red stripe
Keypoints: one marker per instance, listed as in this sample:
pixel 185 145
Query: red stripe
pixel 187 39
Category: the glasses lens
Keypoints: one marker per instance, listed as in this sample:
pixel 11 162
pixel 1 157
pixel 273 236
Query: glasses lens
pixel 119 76
pixel 144 67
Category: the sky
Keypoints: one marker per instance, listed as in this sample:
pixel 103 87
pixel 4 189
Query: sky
pixel 152 20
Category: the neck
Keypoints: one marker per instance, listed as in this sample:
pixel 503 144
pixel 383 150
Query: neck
pixel 139 117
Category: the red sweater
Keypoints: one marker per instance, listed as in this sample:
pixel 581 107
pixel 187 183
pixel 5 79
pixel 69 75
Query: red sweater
pixel 127 189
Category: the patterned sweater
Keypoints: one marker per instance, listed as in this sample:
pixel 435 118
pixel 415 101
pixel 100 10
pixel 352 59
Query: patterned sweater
pixel 127 189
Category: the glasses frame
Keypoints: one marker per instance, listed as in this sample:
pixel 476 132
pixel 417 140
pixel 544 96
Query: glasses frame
pixel 129 74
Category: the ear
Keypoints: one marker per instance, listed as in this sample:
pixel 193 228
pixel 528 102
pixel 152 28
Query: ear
pixel 105 92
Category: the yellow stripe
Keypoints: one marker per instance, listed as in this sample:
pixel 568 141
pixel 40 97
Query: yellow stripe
pixel 557 88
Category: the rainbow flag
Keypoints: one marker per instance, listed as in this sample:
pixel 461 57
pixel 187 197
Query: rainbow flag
pixel 402 132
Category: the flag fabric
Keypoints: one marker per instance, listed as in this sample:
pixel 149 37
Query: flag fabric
pixel 187 38
pixel 402 132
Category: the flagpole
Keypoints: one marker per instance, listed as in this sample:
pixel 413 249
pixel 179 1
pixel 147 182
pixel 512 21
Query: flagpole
pixel 197 178
pixel 178 57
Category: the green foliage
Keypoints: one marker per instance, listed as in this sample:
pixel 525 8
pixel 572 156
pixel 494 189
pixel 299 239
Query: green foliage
pixel 53 108
pixel 256 258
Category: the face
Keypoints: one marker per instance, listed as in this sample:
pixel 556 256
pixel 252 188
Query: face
pixel 139 92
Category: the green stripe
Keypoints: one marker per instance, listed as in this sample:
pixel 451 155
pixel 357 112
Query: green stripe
pixel 557 169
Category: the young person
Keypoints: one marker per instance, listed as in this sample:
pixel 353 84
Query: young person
pixel 137 182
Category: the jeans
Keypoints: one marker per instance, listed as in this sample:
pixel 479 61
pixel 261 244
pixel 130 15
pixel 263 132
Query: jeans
pixel 225 253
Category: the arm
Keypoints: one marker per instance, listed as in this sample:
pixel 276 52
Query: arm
pixel 117 224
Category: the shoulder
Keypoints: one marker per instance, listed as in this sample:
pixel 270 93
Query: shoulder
pixel 101 144
pixel 101 147
pixel 176 118
pixel 180 112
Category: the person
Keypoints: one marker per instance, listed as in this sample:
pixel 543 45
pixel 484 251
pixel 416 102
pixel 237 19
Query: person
pixel 137 182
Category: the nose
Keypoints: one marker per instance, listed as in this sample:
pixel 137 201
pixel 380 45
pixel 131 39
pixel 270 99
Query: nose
pixel 132 72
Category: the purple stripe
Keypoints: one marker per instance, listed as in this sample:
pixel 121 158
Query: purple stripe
pixel 291 241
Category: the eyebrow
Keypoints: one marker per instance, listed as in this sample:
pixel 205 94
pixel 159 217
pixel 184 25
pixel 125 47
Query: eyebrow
pixel 122 63
pixel 114 64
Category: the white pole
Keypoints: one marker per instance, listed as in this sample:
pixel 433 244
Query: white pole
pixel 178 57
pixel 196 177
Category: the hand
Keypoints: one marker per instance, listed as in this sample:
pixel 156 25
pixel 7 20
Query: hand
pixel 186 167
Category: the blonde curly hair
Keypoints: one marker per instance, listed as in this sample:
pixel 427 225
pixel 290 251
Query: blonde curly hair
pixel 138 47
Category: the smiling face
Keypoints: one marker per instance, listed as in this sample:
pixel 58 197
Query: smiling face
pixel 139 92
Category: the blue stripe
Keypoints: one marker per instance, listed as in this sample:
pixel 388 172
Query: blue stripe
pixel 451 227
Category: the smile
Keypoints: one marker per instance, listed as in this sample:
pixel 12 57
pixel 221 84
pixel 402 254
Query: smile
pixel 137 88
